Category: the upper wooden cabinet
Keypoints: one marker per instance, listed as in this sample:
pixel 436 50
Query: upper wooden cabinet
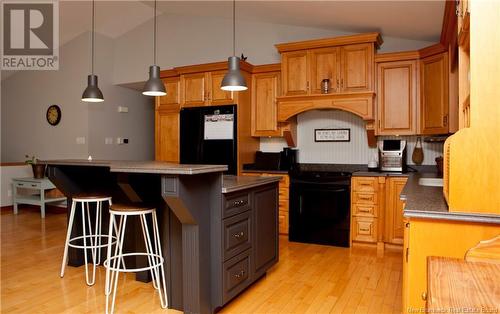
pixel 325 63
pixel 295 73
pixel 265 89
pixel 171 101
pixel 346 61
pixel 397 97
pixel 434 94
pixel 203 89
pixel 356 68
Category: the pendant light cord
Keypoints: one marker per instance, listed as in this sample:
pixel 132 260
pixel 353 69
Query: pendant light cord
pixel 234 27
pixel 154 36
pixel 92 36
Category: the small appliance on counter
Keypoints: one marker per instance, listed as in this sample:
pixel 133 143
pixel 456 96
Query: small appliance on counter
pixel 274 161
pixel 392 155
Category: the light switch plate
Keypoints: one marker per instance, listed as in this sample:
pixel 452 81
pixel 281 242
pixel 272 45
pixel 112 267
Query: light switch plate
pixel 122 109
pixel 80 140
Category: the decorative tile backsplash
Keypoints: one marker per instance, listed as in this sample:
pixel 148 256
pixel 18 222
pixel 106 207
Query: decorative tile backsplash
pixel 354 152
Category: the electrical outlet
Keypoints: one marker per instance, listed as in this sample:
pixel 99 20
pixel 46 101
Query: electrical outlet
pixel 119 140
pixel 9 193
pixel 80 140
pixel 108 140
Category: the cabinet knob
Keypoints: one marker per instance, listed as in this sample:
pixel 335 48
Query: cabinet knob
pixel 240 274
pixel 307 85
pixel 424 296
pixel 238 203
pixel 239 235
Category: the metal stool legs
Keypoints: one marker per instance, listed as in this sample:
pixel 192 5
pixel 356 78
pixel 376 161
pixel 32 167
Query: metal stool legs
pixel 93 236
pixel 115 263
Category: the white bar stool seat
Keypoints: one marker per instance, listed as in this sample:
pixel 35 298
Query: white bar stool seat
pixel 91 240
pixel 115 263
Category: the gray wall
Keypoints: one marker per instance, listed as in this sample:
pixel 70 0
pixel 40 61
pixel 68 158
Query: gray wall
pixel 182 40
pixel 185 40
pixel 26 96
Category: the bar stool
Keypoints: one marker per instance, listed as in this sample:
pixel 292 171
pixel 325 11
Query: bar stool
pixel 94 235
pixel 116 263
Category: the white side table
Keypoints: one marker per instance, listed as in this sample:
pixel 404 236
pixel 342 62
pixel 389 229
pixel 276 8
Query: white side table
pixel 33 199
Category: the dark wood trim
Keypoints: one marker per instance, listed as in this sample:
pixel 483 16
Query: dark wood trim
pixel 9 164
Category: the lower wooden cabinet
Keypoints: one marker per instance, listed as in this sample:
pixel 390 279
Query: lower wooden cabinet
pixel 284 198
pixel 376 210
pixel 394 226
pixel 429 237
pixel 167 139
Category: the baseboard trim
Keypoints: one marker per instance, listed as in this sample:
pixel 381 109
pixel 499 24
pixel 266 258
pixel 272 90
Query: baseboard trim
pixel 48 208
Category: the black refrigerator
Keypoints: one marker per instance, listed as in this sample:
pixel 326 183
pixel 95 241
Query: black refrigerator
pixel 208 136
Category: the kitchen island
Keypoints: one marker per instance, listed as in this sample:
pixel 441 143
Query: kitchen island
pixel 218 236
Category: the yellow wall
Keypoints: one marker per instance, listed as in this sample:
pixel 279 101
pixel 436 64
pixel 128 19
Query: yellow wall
pixel 474 173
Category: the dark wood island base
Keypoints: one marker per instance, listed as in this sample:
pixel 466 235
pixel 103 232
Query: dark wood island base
pixel 219 233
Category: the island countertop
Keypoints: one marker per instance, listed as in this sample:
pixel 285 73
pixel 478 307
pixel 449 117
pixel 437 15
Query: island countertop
pixel 238 183
pixel 153 167
pixel 428 202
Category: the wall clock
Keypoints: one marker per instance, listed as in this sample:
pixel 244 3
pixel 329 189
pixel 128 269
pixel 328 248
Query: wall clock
pixel 53 115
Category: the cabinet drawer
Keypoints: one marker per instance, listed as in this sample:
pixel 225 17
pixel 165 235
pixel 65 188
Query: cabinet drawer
pixel 236 275
pixel 365 184
pixel 365 198
pixel 237 234
pixel 236 203
pixel 364 229
pixel 367 210
pixel 27 185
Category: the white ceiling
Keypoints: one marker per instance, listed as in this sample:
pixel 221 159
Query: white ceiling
pixel 420 20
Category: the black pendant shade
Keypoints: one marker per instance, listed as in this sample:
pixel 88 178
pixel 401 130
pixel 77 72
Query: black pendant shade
pixel 92 93
pixel 233 80
pixel 154 86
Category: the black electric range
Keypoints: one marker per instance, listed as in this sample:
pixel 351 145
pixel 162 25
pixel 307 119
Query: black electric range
pixel 320 203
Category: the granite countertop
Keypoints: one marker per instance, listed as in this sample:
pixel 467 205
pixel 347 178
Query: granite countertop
pixel 428 202
pixel 237 183
pixel 278 172
pixel 154 167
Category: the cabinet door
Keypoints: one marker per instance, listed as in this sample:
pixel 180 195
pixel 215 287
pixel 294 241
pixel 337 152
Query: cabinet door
pixel 434 94
pixel 265 246
pixel 394 210
pixel 357 68
pixel 167 136
pixel 294 73
pixel 406 255
pixel 172 100
pixel 216 95
pixel 325 63
pixel 264 106
pixel 193 89
pixel 397 98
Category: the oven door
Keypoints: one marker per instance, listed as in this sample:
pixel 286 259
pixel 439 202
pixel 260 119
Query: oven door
pixel 320 213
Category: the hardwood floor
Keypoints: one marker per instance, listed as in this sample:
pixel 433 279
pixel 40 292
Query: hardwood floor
pixel 308 278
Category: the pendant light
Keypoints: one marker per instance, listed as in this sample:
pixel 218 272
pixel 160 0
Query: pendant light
pixel 233 80
pixel 92 93
pixel 154 86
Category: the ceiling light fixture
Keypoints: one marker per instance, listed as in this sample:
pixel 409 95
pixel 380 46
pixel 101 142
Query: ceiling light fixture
pixel 233 80
pixel 154 86
pixel 92 93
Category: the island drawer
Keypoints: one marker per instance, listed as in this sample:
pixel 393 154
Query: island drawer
pixel 236 203
pixel 27 184
pixel 236 275
pixel 237 236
